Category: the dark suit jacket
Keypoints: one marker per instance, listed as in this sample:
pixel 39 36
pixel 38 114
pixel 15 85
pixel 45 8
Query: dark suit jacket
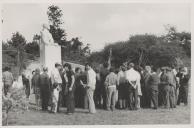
pixel 153 82
pixel 44 81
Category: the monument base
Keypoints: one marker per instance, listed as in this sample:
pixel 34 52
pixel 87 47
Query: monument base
pixel 49 55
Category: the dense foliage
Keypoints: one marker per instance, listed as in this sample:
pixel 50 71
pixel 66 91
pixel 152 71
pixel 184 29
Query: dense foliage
pixel 147 50
pixel 55 18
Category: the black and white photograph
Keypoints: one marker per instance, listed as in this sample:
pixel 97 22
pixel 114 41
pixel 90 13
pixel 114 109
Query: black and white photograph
pixel 88 63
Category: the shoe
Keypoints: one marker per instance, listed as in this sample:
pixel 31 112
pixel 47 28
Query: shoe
pixel 69 113
pixel 135 109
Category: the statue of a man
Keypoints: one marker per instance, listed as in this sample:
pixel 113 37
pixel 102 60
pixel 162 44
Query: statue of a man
pixel 46 36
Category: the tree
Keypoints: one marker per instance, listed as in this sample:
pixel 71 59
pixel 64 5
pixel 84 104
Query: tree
pixel 32 48
pixel 183 38
pixel 76 45
pixel 171 32
pixel 36 38
pixel 86 51
pixel 166 54
pixel 54 16
pixel 142 50
pixel 18 42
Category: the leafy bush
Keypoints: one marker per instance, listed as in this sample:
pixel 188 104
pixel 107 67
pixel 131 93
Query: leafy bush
pixel 15 101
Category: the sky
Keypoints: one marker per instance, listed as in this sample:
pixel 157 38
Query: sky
pixel 97 24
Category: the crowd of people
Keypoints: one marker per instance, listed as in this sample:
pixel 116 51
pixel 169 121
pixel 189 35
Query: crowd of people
pixel 129 87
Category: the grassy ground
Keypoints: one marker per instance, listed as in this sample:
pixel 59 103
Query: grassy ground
pixel 180 115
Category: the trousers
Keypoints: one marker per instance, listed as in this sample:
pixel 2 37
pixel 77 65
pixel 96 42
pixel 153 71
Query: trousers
pixel 154 97
pixel 45 98
pixel 90 94
pixel 111 97
pixel 183 95
pixel 70 102
pixel 172 97
pixel 133 95
pixel 165 95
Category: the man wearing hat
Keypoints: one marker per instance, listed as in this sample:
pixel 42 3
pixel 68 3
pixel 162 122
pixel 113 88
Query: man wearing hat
pixel 44 88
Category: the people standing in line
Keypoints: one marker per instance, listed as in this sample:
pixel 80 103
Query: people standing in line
pixel 71 88
pixel 56 80
pixel 7 80
pixel 26 84
pixel 36 88
pixel 45 88
pixel 145 91
pixel 184 78
pixel 104 73
pixel 122 93
pixel 111 87
pixel 153 83
pixel 90 86
pixel 132 78
pixel 165 88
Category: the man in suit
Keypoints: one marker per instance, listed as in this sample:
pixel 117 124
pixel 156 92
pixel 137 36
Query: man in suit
pixel 153 83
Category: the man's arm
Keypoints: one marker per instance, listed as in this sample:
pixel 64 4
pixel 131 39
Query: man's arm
pixel 118 79
pixel 106 82
pixel 72 82
pixel 12 79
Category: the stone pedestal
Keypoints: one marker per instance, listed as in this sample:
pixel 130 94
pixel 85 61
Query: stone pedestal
pixel 49 55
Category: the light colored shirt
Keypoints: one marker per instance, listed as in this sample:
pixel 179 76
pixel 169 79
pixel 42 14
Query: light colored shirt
pixel 132 76
pixel 56 77
pixel 91 79
pixel 55 97
pixel 111 79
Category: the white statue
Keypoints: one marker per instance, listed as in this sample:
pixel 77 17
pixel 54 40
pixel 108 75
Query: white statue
pixel 46 36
